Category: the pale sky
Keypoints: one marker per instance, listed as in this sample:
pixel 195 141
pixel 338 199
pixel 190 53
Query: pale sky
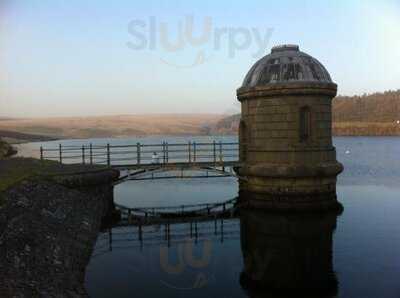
pixel 100 57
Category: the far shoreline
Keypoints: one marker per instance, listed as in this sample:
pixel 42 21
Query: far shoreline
pixel 25 141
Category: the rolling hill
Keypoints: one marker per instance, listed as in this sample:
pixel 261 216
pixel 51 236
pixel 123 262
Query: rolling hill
pixel 110 126
pixel 376 114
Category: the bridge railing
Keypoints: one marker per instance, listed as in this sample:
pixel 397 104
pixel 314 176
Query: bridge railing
pixel 141 154
pixel 182 211
pixel 162 235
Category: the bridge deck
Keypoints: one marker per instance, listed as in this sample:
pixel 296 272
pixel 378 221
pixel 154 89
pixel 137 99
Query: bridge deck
pixel 177 165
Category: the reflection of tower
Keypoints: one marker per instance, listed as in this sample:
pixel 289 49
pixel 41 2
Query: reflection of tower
pixel 285 132
pixel 285 253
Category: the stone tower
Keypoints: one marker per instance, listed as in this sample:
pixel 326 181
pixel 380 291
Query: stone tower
pixel 286 152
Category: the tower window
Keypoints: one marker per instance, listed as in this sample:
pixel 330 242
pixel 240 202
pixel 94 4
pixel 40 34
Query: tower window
pixel 305 124
pixel 243 138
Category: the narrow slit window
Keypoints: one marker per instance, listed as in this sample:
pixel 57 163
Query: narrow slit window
pixel 305 124
pixel 243 137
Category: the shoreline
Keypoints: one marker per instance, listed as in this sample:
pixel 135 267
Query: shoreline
pixel 40 139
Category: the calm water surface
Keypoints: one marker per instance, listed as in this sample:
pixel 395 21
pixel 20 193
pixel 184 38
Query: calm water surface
pixel 361 246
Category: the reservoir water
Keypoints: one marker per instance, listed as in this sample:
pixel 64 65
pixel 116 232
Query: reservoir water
pixel 356 252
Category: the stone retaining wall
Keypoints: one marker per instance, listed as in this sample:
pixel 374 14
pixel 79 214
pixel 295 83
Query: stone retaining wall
pixel 47 232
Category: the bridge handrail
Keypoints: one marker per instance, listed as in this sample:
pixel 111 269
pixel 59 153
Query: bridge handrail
pixel 166 152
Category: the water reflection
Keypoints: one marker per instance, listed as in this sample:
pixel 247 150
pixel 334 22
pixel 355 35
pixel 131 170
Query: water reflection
pixel 283 255
pixel 287 255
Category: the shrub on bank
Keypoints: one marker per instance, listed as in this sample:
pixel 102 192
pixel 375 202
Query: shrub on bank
pixel 6 150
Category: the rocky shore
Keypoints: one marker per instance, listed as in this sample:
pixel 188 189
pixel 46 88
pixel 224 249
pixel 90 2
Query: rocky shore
pixel 48 226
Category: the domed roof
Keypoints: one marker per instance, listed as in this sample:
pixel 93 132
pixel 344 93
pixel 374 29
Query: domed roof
pixel 286 64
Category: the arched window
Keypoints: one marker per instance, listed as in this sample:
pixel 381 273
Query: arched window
pixel 305 124
pixel 243 139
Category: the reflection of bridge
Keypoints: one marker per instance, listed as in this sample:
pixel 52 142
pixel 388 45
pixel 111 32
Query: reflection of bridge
pixel 172 225
pixel 172 232
pixel 139 156
pixel 177 214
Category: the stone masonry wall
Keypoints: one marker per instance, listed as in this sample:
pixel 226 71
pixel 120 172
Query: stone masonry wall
pixel 47 231
pixel 273 131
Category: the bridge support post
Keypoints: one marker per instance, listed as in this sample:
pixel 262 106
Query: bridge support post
pixel 164 156
pixel 222 230
pixel 108 155
pixel 221 156
pixel 91 153
pixel 138 153
pixel 189 152
pixel 41 153
pixel 83 155
pixel 166 150
pixel 220 152
pixel 60 153
pixel 194 151
pixel 214 152
pixel 195 230
pixel 140 232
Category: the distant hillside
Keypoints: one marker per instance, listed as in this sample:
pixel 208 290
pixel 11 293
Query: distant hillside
pixel 111 126
pixel 17 137
pixel 373 114
pixel 368 115
pixel 372 108
pixel 227 125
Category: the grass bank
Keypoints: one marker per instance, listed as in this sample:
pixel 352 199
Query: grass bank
pixel 15 170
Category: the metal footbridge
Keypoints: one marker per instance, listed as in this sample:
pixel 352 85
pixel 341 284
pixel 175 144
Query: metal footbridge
pixel 142 161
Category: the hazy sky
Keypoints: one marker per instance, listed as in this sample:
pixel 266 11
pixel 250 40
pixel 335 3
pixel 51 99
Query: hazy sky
pixel 93 57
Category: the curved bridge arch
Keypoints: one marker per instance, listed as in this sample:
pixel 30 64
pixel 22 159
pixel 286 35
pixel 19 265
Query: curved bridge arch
pixel 177 172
